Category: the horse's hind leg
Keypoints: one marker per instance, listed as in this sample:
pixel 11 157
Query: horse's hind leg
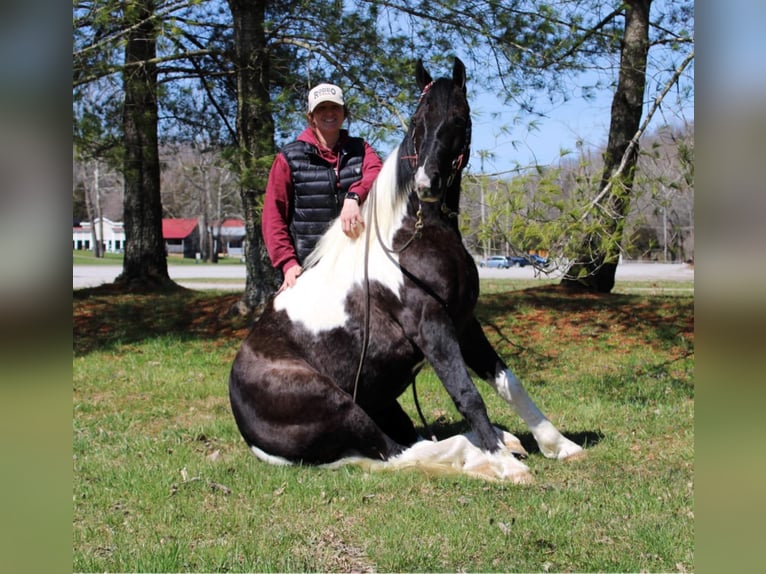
pixel 484 361
pixel 297 414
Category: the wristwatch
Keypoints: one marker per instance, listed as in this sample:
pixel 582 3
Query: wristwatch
pixel 352 195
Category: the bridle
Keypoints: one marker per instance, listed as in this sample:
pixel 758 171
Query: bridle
pixel 458 163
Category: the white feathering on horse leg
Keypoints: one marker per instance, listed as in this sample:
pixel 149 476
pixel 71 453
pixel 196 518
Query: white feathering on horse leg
pixel 270 458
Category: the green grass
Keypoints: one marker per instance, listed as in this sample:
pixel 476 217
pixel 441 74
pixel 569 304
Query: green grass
pixel 164 482
pixel 87 258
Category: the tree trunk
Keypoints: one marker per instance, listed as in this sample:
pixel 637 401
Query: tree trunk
pixel 595 269
pixel 255 129
pixel 89 212
pixel 145 264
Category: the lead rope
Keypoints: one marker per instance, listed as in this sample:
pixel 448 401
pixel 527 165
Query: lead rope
pixel 366 334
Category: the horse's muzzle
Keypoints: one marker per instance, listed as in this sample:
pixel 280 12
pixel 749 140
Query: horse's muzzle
pixel 428 190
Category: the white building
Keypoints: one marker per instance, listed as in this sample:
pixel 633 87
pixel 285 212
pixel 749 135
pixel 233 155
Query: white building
pixel 181 236
pixel 113 239
pixel 232 239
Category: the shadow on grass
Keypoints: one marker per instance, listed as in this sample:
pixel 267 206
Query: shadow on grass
pixel 588 315
pixel 104 317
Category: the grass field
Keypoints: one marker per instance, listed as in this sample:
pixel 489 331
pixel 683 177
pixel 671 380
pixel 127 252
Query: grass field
pixel 164 482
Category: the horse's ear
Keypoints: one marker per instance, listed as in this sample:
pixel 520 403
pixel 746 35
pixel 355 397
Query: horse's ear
pixel 458 74
pixel 422 76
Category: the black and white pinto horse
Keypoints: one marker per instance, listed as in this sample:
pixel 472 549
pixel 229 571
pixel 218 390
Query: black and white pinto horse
pixel 401 294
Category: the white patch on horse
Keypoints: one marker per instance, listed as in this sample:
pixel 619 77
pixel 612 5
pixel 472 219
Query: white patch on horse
pixel 422 181
pixel 337 264
pixel 551 442
pixel 270 458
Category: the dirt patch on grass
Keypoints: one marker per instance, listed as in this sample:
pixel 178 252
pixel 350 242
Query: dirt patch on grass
pixel 542 316
pixel 101 320
pixel 334 551
pixel 532 318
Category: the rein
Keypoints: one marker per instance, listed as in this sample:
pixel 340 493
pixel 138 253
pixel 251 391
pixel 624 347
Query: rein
pixel 388 250
pixel 366 338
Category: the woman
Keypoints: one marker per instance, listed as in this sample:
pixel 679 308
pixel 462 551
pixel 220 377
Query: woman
pixel 323 174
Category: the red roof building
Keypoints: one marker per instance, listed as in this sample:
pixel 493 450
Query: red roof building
pixel 178 228
pixel 181 236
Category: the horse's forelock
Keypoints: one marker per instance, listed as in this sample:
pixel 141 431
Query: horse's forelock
pixel 443 96
pixel 440 94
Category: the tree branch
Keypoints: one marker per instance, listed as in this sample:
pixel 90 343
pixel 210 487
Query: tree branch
pixel 634 140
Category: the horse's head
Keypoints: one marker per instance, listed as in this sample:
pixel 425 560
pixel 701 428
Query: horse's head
pixel 439 135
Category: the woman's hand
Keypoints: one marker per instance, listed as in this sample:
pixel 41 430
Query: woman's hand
pixel 291 276
pixel 351 218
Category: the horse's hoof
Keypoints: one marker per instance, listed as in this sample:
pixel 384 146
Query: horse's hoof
pixel 513 444
pixel 569 451
pixel 573 456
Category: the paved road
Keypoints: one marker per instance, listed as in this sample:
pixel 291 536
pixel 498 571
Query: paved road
pixel 195 276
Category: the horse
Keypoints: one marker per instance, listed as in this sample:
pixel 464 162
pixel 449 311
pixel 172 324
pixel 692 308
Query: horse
pixel 317 378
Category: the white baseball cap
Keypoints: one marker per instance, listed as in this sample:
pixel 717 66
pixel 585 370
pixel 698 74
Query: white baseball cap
pixel 325 93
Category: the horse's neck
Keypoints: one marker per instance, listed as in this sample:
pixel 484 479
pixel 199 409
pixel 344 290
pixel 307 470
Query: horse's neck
pixel 452 197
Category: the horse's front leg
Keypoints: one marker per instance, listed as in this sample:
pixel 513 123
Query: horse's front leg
pixel 438 341
pixel 485 362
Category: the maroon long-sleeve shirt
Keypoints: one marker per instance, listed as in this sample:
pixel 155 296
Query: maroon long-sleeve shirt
pixel 278 202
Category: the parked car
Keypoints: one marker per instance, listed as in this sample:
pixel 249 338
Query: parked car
pixel 495 261
pixel 528 259
pixel 539 261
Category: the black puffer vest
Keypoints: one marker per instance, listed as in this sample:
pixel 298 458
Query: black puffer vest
pixel 319 192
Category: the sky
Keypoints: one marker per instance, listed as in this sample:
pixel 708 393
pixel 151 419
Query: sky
pixel 510 146
pixel 578 119
pixel 587 121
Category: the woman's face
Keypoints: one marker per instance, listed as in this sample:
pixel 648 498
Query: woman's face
pixel 327 117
